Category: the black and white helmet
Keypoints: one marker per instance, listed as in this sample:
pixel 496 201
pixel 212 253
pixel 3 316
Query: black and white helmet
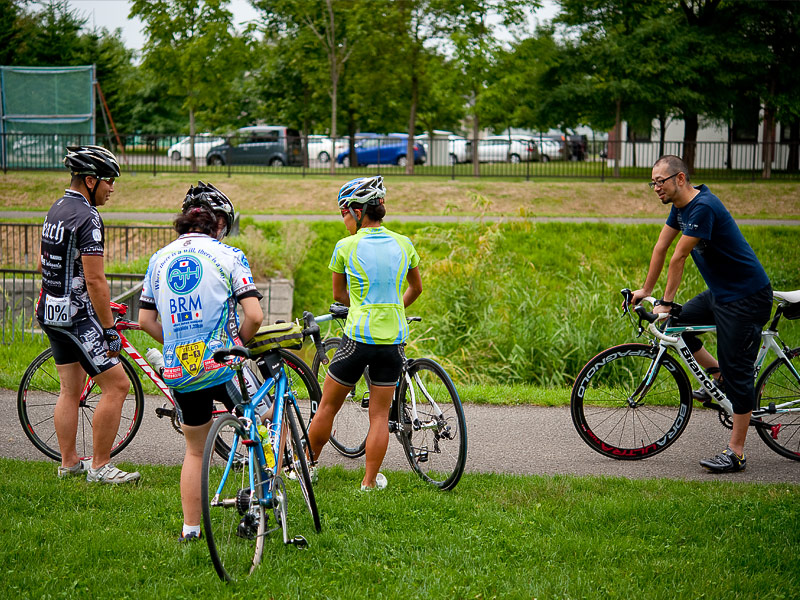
pixel 362 190
pixel 91 160
pixel 207 196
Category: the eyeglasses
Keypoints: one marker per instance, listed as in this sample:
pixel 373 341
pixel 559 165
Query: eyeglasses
pixel 108 180
pixel 345 212
pixel 661 182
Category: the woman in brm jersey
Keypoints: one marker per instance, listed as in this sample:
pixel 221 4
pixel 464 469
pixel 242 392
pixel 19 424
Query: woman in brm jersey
pixel 194 285
pixel 369 269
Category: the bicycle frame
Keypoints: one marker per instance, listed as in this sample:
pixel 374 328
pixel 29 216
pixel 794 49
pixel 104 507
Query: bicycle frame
pixel 255 449
pixel 415 422
pixel 671 338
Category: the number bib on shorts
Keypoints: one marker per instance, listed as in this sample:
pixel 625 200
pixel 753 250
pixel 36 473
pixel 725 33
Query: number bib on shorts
pixel 57 311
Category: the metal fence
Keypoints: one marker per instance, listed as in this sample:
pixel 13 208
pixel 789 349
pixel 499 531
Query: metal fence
pixel 517 157
pixel 19 291
pixel 20 242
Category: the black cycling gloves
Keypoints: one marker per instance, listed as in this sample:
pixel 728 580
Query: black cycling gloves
pixel 112 339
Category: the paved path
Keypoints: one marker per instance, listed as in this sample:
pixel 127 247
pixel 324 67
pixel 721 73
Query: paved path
pixel 110 217
pixel 529 440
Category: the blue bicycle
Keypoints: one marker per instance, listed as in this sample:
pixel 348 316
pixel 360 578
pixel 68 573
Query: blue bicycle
pixel 240 489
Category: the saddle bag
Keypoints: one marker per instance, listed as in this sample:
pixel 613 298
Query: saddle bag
pixel 791 311
pixel 280 335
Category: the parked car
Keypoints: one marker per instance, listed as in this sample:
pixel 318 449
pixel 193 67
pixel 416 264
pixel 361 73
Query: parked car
pixel 272 145
pixel 320 148
pixel 203 142
pixel 390 150
pixel 498 148
pixel 456 144
pixel 549 148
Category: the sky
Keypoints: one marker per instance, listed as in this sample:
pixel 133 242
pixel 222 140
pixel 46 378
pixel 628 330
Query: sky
pixel 113 14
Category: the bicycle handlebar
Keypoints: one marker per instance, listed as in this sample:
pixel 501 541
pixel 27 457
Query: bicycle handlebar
pixel 645 315
pixel 340 311
pixel 312 329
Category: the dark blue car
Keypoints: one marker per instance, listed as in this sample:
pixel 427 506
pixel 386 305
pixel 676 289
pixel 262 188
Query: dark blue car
pixel 389 150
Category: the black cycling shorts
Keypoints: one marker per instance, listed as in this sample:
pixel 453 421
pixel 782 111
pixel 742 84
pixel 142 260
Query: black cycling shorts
pixel 83 342
pixel 385 362
pixel 195 408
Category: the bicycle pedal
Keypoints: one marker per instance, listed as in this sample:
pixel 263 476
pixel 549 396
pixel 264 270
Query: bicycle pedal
pixel 298 542
pixel 165 412
pixel 422 456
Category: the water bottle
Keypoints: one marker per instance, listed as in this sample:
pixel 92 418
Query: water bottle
pixel 155 358
pixel 263 431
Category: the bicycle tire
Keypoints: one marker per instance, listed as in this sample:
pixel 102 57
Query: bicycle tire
pixel 778 385
pixel 351 423
pixel 296 461
pixel 234 525
pixel 36 400
pixel 437 451
pixel 617 428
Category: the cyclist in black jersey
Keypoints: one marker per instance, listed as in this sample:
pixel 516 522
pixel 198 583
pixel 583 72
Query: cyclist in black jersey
pixel 74 311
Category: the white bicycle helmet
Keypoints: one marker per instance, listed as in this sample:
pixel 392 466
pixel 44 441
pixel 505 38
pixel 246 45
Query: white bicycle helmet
pixel 207 196
pixel 362 190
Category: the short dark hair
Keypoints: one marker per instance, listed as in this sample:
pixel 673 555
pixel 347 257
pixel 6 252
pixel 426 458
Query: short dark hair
pixel 197 220
pixel 675 164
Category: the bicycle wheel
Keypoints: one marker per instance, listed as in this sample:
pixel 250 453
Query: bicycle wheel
pixel 617 415
pixel 36 402
pixel 234 518
pixel 436 446
pixel 780 387
pixel 295 461
pixel 351 423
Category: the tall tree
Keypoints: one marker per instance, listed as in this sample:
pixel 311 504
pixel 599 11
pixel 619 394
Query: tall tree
pixel 326 20
pixel 473 27
pixel 192 46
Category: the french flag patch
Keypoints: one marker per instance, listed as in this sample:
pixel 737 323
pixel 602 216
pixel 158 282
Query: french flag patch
pixel 247 280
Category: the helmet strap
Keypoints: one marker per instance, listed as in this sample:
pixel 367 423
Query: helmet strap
pixel 92 191
pixel 357 219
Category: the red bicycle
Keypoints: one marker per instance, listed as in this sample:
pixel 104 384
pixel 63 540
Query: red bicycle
pixel 39 390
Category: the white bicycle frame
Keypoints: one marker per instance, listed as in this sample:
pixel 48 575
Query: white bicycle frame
pixel 676 341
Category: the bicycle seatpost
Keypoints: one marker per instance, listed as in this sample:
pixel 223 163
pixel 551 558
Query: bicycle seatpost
pixel 224 356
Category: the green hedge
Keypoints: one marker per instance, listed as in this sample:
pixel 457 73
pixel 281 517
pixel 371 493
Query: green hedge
pixel 524 302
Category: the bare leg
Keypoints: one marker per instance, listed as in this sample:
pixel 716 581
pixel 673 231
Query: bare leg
pixel 380 402
pixel 706 360
pixel 191 472
pixel 72 378
pixel 319 431
pixel 741 423
pixel 114 385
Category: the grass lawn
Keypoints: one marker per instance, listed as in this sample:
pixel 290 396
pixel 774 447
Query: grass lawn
pixel 494 536
pixel 281 194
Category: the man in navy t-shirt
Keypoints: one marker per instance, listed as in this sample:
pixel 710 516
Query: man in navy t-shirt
pixel 738 299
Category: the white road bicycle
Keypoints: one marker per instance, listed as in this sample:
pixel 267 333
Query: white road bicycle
pixel 634 400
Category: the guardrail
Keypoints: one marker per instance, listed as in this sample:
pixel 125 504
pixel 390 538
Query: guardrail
pixel 518 157
pixel 19 291
pixel 20 243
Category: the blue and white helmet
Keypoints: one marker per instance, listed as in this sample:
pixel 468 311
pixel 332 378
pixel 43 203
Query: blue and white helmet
pixel 362 190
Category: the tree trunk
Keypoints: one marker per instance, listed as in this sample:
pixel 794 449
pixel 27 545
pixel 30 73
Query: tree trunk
pixel 476 170
pixel 729 153
pixel 617 136
pixel 662 134
pixel 768 144
pixel 692 124
pixel 412 125
pixel 192 132
pixel 793 161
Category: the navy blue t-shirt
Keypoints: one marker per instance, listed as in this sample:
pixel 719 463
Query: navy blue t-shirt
pixel 724 258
